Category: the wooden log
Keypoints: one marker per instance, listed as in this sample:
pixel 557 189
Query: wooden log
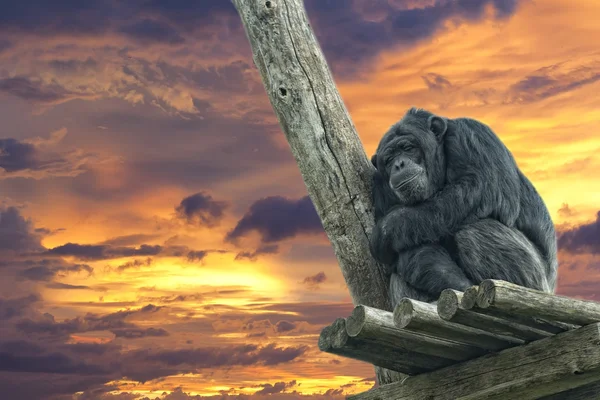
pixel 513 299
pixel 322 139
pixel 375 346
pixel 586 392
pixel 469 302
pixel 541 368
pixel 449 308
pixel 469 299
pixel 421 317
pixel 376 325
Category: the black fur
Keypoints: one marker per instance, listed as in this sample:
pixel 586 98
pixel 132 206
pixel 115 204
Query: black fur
pixel 452 209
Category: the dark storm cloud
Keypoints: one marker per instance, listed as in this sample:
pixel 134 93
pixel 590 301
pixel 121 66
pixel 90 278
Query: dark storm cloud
pixel 135 264
pixel 316 279
pixel 187 14
pixel 100 16
pixel 114 322
pixel 585 238
pixel 551 81
pixel 17 307
pixel 53 363
pixel 215 357
pixel 35 91
pixel 102 252
pixel 348 36
pixel 253 255
pixel 148 30
pixel 15 155
pixel 197 255
pixel 22 159
pixel 46 270
pixel 201 208
pixel 284 326
pixel 136 333
pixel 277 387
pixel 68 16
pixel 16 233
pixel 277 218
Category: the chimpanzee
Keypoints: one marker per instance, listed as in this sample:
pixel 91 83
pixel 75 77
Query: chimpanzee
pixel 452 209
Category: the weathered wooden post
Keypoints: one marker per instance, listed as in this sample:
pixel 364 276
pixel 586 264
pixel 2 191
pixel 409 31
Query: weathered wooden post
pixel 323 140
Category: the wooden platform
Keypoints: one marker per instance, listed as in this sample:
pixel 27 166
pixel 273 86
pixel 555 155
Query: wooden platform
pixel 494 341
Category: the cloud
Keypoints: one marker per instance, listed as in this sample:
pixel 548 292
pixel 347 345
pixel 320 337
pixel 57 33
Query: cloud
pixel 553 80
pixel 137 263
pixel 53 363
pixel 585 238
pixel 46 270
pixel 436 81
pixel 284 326
pixel 277 387
pixel 35 90
pixel 148 31
pixel 253 255
pixel 215 357
pixel 16 232
pixel 277 218
pixel 66 286
pixel 200 208
pixel 129 240
pixel 102 252
pixel 114 322
pixel 353 33
pixel 136 333
pixel 314 280
pixel 35 159
pixel 17 307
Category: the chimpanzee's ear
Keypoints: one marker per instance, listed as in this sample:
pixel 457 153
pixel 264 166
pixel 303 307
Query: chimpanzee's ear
pixel 438 126
pixel 374 160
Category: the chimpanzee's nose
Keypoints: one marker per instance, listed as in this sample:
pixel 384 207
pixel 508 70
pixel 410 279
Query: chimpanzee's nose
pixel 399 164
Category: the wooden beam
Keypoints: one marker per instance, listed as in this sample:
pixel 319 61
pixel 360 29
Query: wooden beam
pixel 376 346
pixel 523 302
pixel 562 362
pixel 586 392
pixel 420 317
pixel 449 308
pixel 469 299
pixel 322 138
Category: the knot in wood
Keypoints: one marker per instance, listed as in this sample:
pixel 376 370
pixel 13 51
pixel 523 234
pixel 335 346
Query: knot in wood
pixel 270 5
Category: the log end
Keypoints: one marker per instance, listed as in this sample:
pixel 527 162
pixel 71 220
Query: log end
pixel 356 321
pixel 403 313
pixel 448 303
pixel 469 299
pixel 333 336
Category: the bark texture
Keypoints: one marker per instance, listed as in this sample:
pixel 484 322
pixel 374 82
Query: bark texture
pixel 323 140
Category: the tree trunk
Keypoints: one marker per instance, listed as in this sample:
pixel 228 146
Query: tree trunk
pixel 323 140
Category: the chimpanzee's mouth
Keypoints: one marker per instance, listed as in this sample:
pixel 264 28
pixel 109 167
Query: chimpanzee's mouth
pixel 406 182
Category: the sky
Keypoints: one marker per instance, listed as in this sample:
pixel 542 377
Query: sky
pixel 156 238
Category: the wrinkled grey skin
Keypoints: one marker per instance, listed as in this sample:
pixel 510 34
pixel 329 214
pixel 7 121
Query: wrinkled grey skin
pixel 453 209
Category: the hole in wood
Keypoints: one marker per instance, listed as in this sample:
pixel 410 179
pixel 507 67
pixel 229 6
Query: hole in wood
pixel 268 4
pixel 283 92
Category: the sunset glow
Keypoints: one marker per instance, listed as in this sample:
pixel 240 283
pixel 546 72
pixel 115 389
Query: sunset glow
pixel 156 238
